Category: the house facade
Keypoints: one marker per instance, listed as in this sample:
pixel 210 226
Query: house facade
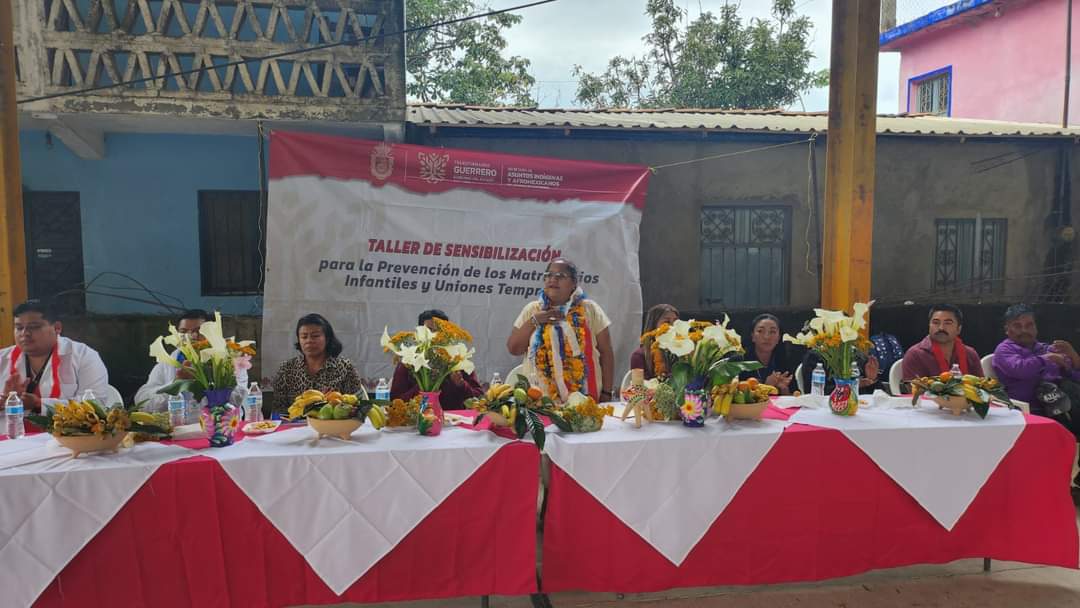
pixel 989 59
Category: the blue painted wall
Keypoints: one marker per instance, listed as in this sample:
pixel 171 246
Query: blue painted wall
pixel 140 210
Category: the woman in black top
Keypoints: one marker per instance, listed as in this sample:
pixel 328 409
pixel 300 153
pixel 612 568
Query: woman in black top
pixel 766 347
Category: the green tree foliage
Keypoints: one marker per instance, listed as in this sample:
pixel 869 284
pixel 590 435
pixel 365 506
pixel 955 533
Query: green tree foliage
pixel 714 61
pixel 463 62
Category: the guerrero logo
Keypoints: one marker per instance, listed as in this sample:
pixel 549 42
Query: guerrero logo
pixel 382 161
pixel 433 166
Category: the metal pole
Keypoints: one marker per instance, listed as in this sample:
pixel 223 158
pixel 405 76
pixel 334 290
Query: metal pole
pixel 1068 63
pixel 13 247
pixel 850 154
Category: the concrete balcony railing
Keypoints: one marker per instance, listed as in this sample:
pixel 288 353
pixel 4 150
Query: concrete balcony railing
pixel 68 45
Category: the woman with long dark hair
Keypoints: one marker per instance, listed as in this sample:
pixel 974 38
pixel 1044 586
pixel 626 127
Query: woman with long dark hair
pixel 655 317
pixel 318 366
pixel 765 346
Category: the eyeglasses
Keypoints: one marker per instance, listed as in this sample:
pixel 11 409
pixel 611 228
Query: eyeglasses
pixel 555 275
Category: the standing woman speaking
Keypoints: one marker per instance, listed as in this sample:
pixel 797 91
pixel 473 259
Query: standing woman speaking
pixel 564 338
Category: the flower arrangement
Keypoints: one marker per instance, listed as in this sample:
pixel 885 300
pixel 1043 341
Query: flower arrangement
pixel 836 337
pixel 696 355
pixel 583 414
pixel 519 408
pixel 82 418
pixel 429 355
pixel 958 393
pixel 212 361
pixel 403 413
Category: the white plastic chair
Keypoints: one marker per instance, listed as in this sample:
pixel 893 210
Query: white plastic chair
pixel 988 371
pixel 896 374
pixel 112 397
pixel 512 375
pixel 799 380
pixel 625 384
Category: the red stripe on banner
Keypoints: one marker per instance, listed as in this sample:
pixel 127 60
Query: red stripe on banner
pixel 427 170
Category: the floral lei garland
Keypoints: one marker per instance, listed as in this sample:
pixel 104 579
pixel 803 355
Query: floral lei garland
pixel 574 366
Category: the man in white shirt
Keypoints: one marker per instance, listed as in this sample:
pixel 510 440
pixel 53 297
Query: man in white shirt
pixel 164 374
pixel 45 368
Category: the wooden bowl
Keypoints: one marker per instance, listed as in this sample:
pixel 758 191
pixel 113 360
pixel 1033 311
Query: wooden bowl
pixel 746 411
pixel 955 404
pixel 342 429
pixel 85 444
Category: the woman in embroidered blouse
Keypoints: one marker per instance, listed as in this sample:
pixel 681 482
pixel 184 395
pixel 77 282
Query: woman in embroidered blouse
pixel 565 316
pixel 318 366
pixel 655 317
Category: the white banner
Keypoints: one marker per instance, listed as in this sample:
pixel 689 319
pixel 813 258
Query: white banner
pixel 371 234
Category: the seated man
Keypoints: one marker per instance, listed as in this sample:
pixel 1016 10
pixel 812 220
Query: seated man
pixel 454 390
pixel 164 374
pixel 45 368
pixel 1021 362
pixel 942 347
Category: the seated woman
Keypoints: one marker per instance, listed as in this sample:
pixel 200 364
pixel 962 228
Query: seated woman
pixel 317 367
pixel 454 390
pixel 655 317
pixel 765 347
pixel 565 316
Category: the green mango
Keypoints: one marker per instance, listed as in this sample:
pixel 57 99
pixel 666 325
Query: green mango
pixel 739 397
pixel 341 412
pixel 326 412
pixel 521 396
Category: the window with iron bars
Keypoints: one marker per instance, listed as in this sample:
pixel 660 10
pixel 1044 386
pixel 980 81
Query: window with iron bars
pixel 933 95
pixel 232 233
pixel 970 253
pixel 744 256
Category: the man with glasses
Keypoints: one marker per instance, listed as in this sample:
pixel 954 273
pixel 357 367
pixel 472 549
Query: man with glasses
pixel 164 374
pixel 45 368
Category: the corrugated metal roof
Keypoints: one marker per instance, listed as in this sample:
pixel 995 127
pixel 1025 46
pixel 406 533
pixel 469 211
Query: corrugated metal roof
pixel 716 120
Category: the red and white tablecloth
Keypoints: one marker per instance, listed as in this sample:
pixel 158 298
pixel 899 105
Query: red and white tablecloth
pixel 191 536
pixel 816 507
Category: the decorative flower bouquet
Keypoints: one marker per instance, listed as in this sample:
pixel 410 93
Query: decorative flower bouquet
pixel 212 361
pixel 429 355
pixel 959 393
pixel 583 414
pixel 837 338
pixel 401 413
pixel 694 356
pixel 519 408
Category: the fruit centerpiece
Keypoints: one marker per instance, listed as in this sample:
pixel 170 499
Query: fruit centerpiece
pixel 837 338
pixel 518 407
pixel 745 400
pixel 692 357
pixel 958 393
pixel 583 414
pixel 334 414
pixel 84 426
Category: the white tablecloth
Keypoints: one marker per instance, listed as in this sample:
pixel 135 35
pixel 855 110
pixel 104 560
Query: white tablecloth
pixel 941 460
pixel 345 504
pixel 665 481
pixel 51 505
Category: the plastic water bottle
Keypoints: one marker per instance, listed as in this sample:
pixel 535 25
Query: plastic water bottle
pixel 13 413
pixel 382 390
pixel 855 373
pixel 817 381
pixel 176 409
pixel 955 371
pixel 496 379
pixel 88 395
pixel 253 403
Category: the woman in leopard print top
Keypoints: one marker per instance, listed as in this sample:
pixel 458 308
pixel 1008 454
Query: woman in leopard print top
pixel 318 366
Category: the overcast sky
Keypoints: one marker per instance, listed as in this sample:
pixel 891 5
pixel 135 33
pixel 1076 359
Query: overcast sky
pixel 559 35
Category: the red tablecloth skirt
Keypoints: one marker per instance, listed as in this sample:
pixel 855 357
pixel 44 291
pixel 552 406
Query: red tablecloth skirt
pixel 170 544
pixel 816 508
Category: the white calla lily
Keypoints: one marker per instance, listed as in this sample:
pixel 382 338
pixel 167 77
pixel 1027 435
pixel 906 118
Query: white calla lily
pixel 174 337
pixel 424 335
pixel 385 342
pixel 158 352
pixel 676 340
pixel 860 314
pixel 212 332
pixel 848 334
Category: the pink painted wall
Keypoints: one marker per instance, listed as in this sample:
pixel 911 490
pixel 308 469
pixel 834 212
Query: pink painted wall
pixel 1009 68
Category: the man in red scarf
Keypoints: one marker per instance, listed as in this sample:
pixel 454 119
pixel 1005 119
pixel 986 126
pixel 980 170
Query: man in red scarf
pixel 942 347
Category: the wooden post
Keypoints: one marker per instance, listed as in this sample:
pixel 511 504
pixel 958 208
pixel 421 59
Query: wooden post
pixel 850 153
pixel 13 247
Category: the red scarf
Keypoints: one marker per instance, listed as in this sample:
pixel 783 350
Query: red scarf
pixel 54 363
pixel 959 353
